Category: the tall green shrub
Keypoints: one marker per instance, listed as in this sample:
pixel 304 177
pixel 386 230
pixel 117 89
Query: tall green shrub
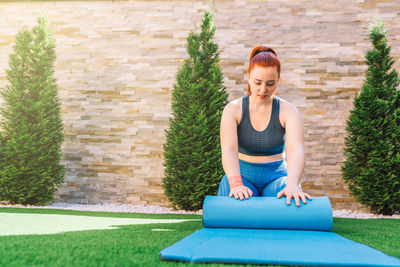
pixel 372 144
pixel 31 122
pixel 192 151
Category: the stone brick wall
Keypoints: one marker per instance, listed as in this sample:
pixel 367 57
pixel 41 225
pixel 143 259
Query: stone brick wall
pixel 116 65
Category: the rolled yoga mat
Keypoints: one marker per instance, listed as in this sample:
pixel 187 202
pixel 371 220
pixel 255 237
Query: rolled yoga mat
pixel 265 230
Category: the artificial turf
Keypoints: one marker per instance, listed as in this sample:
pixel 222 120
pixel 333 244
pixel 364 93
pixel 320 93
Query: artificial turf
pixel 138 245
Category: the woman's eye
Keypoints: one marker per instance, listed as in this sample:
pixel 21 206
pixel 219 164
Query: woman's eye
pixel 268 84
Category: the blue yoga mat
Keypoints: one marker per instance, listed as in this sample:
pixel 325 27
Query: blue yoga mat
pixel 265 230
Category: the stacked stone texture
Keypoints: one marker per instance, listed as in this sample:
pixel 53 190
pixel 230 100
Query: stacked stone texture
pixel 117 62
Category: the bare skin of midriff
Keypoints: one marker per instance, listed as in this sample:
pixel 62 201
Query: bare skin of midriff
pixel 260 159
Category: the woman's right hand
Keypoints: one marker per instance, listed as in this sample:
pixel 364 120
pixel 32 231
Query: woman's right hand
pixel 241 191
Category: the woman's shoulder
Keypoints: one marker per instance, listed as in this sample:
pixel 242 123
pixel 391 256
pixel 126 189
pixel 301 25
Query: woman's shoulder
pixel 235 106
pixel 285 105
pixel 237 102
pixel 287 110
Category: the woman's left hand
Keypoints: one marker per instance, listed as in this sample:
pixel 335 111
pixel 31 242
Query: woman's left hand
pixel 296 193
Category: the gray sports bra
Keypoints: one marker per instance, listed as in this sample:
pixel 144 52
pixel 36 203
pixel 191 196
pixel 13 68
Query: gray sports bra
pixel 268 142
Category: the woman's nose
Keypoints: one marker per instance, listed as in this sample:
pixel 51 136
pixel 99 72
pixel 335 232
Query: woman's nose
pixel 264 87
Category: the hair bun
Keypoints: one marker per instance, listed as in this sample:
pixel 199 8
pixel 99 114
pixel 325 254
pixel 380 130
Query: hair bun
pixel 265 50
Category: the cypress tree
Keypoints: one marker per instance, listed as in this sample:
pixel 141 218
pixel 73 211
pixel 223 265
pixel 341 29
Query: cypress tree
pixel 192 152
pixel 372 144
pixel 31 122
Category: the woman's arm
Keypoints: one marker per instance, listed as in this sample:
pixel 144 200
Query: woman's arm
pixel 294 150
pixel 229 149
pixel 294 147
pixel 229 145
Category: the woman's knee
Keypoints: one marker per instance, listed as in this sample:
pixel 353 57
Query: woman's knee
pixel 248 184
pixel 274 187
pixel 223 189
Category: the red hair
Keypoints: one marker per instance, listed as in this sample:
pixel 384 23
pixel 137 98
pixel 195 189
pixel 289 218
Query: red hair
pixel 263 56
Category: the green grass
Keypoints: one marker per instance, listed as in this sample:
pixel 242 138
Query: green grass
pixel 137 245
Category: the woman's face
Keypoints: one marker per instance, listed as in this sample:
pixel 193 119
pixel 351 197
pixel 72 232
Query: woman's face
pixel 262 81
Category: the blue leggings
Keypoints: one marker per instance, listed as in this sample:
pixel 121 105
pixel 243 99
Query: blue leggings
pixel 264 179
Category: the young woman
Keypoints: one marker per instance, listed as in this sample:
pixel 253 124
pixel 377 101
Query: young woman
pixel 255 131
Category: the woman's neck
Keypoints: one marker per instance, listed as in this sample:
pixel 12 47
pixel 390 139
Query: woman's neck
pixel 258 104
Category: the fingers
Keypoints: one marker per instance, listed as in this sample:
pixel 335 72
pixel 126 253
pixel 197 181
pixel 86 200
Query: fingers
pixel 309 197
pixel 237 195
pixel 296 198
pixel 288 199
pixel 244 194
pixel 250 192
pixel 241 193
pixel 303 198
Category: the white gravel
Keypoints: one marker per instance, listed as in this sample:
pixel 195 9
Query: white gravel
pixel 112 207
pixel 157 209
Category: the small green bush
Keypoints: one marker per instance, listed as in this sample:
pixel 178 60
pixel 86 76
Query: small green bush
pixel 192 152
pixel 31 121
pixel 372 146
